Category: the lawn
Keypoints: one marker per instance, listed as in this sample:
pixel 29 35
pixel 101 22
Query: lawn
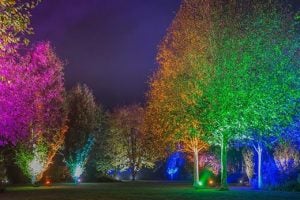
pixel 136 191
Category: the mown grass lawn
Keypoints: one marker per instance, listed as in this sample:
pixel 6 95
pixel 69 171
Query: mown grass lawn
pixel 137 191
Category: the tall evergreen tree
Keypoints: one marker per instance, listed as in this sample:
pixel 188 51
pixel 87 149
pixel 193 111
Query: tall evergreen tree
pixel 84 117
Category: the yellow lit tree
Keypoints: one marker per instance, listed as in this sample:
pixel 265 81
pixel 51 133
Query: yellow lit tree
pixel 15 23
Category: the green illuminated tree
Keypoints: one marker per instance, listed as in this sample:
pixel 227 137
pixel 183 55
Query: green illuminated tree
pixel 241 82
pixel 272 78
pixel 255 83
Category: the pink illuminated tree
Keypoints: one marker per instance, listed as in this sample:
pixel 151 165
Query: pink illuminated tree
pixel 31 93
pixel 45 98
pixel 15 112
pixel 31 107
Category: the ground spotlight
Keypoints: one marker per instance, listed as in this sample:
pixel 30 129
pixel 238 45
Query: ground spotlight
pixel 48 182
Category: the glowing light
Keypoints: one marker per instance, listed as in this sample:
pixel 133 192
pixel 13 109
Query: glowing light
pixel 78 171
pixel 77 165
pixel 172 171
pixel 211 182
pixel 36 166
pixel 5 181
pixel 48 182
pixel 200 183
pixel 174 163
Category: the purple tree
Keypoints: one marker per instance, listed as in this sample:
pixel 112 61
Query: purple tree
pixel 45 98
pixel 31 107
pixel 15 112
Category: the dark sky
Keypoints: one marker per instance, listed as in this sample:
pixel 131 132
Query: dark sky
pixel 109 44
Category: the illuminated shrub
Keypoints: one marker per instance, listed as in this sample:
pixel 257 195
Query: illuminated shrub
pixel 287 158
pixel 32 161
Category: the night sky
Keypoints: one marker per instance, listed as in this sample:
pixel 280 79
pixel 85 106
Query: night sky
pixel 108 44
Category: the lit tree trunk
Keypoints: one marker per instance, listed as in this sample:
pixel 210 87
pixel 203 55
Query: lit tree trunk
pixel 133 138
pixel 196 169
pixel 258 149
pixel 33 180
pixel 224 185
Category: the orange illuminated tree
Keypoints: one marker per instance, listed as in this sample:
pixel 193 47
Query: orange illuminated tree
pixel 172 112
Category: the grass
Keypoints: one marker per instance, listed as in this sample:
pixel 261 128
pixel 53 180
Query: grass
pixel 137 191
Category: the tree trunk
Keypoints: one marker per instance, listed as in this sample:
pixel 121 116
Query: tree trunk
pixel 33 180
pixel 133 174
pixel 196 169
pixel 224 185
pixel 259 178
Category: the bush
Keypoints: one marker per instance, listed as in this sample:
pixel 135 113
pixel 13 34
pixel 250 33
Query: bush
pixel 292 186
pixel 106 178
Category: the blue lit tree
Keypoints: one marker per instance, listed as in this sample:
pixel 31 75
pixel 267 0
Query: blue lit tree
pixel 174 164
pixel 77 164
pixel 272 80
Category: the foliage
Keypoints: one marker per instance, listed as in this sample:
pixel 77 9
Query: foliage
pixel 291 133
pixel 287 158
pixel 14 24
pixel 249 162
pixel 85 120
pixel 128 146
pixel 13 105
pixel 210 162
pixel 2 168
pixel 31 161
pixel 234 65
pixel 77 165
pixel 44 97
pixel 32 94
pixel 172 113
